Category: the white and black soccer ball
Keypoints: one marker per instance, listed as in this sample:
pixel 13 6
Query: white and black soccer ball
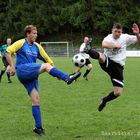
pixel 78 60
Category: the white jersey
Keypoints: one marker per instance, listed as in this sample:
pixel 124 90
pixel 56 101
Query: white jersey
pixel 81 50
pixel 119 55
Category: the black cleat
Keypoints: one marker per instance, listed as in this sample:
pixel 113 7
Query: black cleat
pixel 39 131
pixel 102 105
pixel 73 77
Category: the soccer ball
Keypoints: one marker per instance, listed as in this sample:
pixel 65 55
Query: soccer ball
pixel 78 60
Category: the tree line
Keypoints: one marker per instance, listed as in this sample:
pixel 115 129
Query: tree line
pixel 69 17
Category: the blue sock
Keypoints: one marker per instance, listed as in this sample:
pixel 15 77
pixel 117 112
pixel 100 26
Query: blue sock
pixel 37 116
pixel 59 74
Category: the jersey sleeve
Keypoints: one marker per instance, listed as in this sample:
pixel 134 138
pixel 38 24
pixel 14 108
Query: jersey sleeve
pixel 15 46
pixel 108 39
pixel 82 47
pixel 43 55
pixel 130 39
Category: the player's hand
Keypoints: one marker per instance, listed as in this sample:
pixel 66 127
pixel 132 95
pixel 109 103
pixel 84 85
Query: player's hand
pixel 12 71
pixel 117 46
pixel 135 29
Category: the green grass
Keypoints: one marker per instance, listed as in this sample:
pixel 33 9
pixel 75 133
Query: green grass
pixel 70 112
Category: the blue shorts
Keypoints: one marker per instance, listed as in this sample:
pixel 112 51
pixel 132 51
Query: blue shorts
pixel 28 75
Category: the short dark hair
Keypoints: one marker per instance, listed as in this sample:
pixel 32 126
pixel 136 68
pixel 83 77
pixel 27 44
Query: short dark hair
pixel 28 29
pixel 117 25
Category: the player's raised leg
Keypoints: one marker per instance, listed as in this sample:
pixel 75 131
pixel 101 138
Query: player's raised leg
pixel 94 54
pixel 46 67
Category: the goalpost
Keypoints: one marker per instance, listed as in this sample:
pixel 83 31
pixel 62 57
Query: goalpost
pixel 61 49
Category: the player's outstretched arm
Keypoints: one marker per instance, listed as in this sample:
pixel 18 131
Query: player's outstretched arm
pixel 136 31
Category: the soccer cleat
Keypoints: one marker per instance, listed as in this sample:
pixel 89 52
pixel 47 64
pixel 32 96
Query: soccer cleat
pixel 87 48
pixel 102 104
pixel 73 77
pixel 39 131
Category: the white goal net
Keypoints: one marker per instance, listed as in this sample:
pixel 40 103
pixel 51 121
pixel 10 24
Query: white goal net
pixel 59 49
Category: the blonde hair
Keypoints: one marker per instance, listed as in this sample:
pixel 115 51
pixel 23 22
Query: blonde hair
pixel 28 29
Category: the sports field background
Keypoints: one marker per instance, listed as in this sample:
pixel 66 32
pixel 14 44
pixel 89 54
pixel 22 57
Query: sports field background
pixel 70 112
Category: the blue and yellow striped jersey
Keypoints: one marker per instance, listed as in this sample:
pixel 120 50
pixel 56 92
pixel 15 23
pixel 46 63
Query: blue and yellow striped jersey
pixel 26 53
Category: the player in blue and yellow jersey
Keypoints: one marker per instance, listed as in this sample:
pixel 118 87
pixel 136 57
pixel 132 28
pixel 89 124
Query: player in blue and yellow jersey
pixel 27 69
pixel 5 63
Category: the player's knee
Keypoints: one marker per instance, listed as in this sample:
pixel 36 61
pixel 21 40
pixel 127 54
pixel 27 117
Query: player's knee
pixel 101 57
pixel 90 67
pixel 35 97
pixel 45 67
pixel 4 68
pixel 35 100
pixel 117 93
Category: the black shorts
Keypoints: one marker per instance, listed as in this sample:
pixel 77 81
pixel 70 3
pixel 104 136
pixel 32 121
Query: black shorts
pixel 5 62
pixel 87 62
pixel 115 71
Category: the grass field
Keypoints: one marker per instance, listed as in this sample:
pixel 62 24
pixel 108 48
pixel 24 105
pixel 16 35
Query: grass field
pixel 70 112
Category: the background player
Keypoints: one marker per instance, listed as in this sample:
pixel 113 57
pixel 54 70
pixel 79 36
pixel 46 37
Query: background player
pixel 6 66
pixel 87 41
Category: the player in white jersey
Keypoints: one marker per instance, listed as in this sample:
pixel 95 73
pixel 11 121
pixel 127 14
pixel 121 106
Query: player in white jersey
pixel 87 41
pixel 112 60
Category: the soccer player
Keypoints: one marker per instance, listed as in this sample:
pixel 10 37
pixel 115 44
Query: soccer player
pixel 27 69
pixel 113 59
pixel 88 63
pixel 5 63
